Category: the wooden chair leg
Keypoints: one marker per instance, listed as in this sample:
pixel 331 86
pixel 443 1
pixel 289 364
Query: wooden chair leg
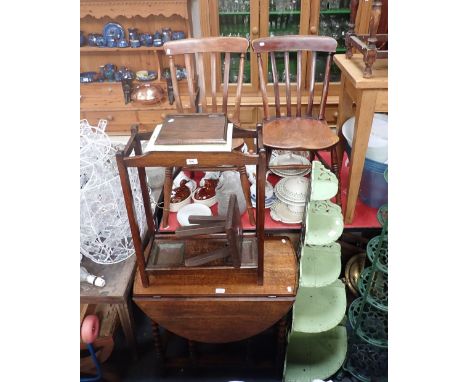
pixel 159 348
pixel 167 195
pixel 280 344
pixel 246 188
pixel 312 155
pixel 192 353
pixel 336 168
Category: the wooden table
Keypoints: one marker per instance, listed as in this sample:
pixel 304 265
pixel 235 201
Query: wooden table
pixel 369 95
pixel 217 309
pixel 119 278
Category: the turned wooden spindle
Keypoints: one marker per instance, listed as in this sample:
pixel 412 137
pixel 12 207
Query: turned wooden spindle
pixel 336 168
pixel 280 343
pixel 371 55
pixel 352 24
pixel 167 195
pixel 158 344
pixel 192 352
pixel 246 188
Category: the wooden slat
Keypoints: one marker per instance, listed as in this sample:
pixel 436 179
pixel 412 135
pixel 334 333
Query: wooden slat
pixel 207 45
pixel 288 85
pixel 298 83
pixel 188 66
pixel 200 229
pixel 175 85
pixel 326 82
pixel 275 83
pixel 214 107
pixel 294 42
pixel 239 88
pixel 310 103
pixel 266 113
pixel 207 257
pixel 201 75
pixel 227 66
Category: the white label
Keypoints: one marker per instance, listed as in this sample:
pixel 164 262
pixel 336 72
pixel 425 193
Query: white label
pixel 283 241
pixel 171 120
pixel 168 51
pixel 261 43
pixel 220 290
pixel 289 289
pixel 192 161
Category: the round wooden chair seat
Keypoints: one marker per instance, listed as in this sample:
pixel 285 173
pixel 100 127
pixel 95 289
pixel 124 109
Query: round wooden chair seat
pixel 293 133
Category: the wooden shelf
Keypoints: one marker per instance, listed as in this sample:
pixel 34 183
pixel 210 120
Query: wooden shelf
pixel 93 49
pixel 234 13
pixel 342 11
pixel 284 13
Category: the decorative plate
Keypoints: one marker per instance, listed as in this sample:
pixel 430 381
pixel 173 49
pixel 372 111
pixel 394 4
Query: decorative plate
pixel 268 202
pixel 113 30
pixel 317 310
pixel 275 153
pixel 289 159
pixel 324 182
pixel 315 356
pixel 320 265
pixel 324 223
pixel 281 213
pixel 192 209
pixel 293 189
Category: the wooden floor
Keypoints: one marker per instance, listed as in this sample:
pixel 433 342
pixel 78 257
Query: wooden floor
pixel 213 310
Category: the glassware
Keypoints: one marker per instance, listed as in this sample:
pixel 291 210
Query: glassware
pixel 344 28
pixel 324 26
pixel 335 28
pixel 345 3
pixel 333 4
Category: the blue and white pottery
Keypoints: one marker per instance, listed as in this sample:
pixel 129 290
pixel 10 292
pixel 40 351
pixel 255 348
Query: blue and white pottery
pixel 146 39
pixel 166 34
pixel 86 77
pixel 82 39
pixel 157 42
pixel 133 34
pixel 111 42
pixel 113 30
pixel 122 44
pixel 100 41
pixel 92 37
pixel 178 35
pixel 109 72
pixel 135 43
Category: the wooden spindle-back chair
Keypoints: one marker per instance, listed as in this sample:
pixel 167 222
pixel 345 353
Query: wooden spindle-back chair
pixel 196 48
pixel 193 50
pixel 304 131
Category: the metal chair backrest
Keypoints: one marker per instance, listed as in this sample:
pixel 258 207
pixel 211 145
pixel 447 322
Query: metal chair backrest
pixel 197 47
pixel 301 45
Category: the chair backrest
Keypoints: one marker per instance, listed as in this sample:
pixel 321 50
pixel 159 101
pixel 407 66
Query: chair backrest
pixel 301 45
pixel 197 47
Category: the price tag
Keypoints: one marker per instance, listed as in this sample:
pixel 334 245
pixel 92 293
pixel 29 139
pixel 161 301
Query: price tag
pixel 168 51
pixel 262 43
pixel 220 290
pixel 191 161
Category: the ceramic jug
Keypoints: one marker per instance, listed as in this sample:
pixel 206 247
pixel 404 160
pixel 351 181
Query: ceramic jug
pixel 229 183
